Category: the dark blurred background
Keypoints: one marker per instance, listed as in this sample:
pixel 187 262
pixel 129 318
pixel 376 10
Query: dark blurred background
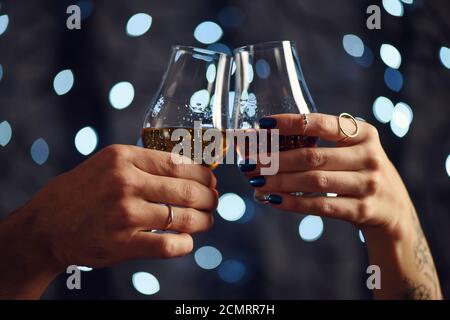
pixel 65 94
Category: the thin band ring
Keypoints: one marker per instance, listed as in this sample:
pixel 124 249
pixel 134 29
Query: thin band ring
pixel 348 116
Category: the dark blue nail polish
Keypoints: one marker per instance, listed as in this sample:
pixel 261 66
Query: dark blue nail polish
pixel 247 167
pixel 257 181
pixel 267 123
pixel 275 199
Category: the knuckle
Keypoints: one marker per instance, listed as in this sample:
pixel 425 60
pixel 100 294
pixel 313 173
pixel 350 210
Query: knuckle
pixel 187 192
pixel 365 212
pixel 115 153
pixel 314 158
pixel 188 219
pixel 373 184
pixel 326 124
pixel 121 183
pixel 168 247
pixel 325 207
pixel 374 161
pixel 321 180
pixel 372 132
pixel 125 216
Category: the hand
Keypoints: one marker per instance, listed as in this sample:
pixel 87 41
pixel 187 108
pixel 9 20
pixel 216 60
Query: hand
pixel 100 213
pixel 371 195
pixel 370 192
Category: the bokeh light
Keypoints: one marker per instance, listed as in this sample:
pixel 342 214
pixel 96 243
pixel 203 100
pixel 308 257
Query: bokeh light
pixel 86 7
pixel 390 56
pixel 219 47
pixel 353 45
pixel 139 24
pixel 211 73
pixel 63 82
pixel 208 257
pixel 231 271
pixel 5 133
pixel 231 207
pixel 231 17
pixel 382 109
pixel 393 79
pixel 121 95
pixel 40 151
pixel 262 68
pixel 84 268
pixel 366 60
pixel 1 72
pixel 145 283
pixel 444 55
pixel 4 21
pixel 199 101
pixel 361 236
pixel 393 7
pixel 208 32
pixel 447 165
pixel 402 115
pixel 311 228
pixel 86 140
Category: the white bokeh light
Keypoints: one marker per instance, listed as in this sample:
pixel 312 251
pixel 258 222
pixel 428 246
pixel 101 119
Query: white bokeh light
pixel 390 56
pixel 447 165
pixel 353 45
pixel 5 133
pixel 393 7
pixel 63 82
pixel 139 24
pixel 231 207
pixel 208 257
pixel 211 73
pixel 208 32
pixel 444 55
pixel 121 95
pixel 361 236
pixel 4 21
pixel 382 109
pixel 86 140
pixel 145 283
pixel 402 115
pixel 311 228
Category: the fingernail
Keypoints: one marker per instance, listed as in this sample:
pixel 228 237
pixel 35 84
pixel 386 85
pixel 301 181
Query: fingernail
pixel 275 199
pixel 257 181
pixel 267 123
pixel 247 167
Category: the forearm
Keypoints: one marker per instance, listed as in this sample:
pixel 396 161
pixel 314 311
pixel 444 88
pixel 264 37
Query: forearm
pixel 26 267
pixel 406 263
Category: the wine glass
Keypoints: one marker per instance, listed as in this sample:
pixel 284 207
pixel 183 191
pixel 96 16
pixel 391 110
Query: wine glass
pixel 269 80
pixel 194 89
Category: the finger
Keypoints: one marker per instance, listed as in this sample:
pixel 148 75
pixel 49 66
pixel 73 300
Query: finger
pixel 160 245
pixel 330 207
pixel 320 125
pixel 303 159
pixel 171 165
pixel 340 182
pixel 177 192
pixel 187 220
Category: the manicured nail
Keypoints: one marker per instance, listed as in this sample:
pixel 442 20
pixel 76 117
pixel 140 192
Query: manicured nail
pixel 275 199
pixel 257 181
pixel 247 167
pixel 267 123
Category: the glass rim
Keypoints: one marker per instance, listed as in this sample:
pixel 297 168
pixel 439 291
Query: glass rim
pixel 193 50
pixel 264 46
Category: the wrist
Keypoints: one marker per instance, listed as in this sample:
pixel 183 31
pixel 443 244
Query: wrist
pixel 29 263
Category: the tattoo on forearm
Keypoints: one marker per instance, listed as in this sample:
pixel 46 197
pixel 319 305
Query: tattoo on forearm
pixel 416 291
pixel 424 264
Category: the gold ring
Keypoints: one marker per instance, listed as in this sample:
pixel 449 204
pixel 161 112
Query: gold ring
pixel 348 116
pixel 170 217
